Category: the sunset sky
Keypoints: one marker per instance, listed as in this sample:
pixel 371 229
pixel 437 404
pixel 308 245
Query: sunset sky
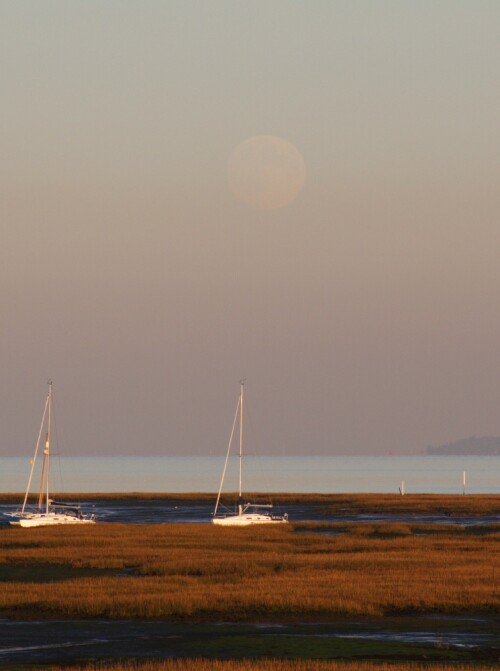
pixel 364 315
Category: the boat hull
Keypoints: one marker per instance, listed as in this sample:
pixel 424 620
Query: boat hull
pixel 45 520
pixel 248 519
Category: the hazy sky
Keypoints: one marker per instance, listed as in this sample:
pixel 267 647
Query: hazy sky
pixel 365 316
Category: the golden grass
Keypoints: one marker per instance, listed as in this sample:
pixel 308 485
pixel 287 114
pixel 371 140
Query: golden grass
pixel 203 572
pixel 274 665
pixel 449 504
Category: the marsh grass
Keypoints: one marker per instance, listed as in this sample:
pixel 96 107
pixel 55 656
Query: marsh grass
pixel 475 504
pixel 394 529
pixel 274 665
pixel 202 572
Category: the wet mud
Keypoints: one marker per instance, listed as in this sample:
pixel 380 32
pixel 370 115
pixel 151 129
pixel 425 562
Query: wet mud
pixel 79 641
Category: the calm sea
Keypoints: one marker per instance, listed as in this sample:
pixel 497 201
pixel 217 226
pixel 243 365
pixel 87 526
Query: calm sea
pixel 420 474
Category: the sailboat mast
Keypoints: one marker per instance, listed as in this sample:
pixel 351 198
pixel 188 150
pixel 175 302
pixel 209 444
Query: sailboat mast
pixel 44 481
pixel 33 461
pixel 47 447
pixel 240 506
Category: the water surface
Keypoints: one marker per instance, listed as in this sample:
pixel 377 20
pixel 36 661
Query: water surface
pixel 315 474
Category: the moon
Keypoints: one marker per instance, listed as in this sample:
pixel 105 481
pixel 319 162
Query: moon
pixel 266 172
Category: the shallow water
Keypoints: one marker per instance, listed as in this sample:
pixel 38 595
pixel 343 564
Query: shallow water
pixel 156 511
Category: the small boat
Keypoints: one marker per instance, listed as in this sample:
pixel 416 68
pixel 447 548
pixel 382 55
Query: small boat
pixel 48 512
pixel 247 513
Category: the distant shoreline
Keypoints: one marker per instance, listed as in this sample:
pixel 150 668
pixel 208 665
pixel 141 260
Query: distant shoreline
pixel 485 446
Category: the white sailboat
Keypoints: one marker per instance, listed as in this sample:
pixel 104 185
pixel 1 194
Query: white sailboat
pixel 47 512
pixel 247 513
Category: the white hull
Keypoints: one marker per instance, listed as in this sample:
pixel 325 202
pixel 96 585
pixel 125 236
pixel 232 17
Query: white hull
pixel 245 520
pixel 50 519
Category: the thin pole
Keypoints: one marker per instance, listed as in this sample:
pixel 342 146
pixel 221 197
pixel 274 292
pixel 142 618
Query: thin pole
pixel 44 481
pixel 49 430
pixel 464 482
pixel 240 507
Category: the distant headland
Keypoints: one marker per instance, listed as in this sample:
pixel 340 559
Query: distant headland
pixel 484 446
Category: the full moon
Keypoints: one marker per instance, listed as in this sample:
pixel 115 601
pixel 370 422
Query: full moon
pixel 266 172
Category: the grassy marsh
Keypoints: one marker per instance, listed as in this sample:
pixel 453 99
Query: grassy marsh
pixel 337 590
pixel 278 665
pixel 200 572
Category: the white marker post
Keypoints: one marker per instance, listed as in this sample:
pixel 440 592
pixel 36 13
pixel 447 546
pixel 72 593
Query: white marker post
pixel 402 488
pixel 464 483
